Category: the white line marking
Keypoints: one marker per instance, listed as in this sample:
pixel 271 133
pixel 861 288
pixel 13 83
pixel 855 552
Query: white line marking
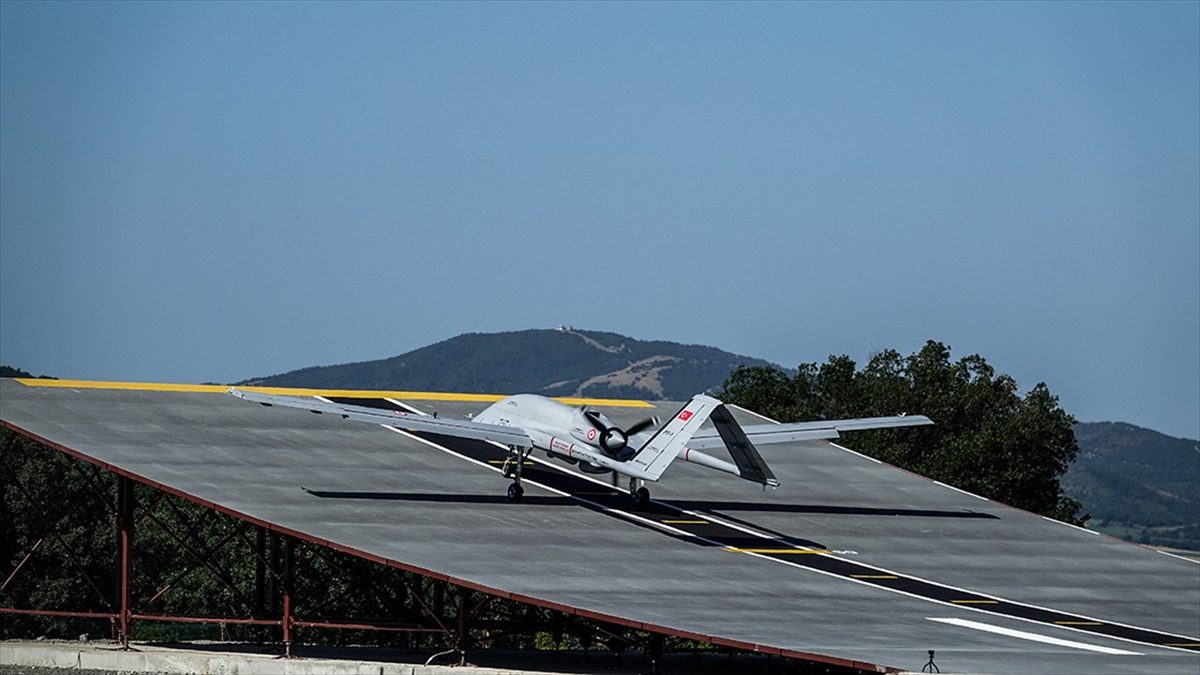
pixel 1191 560
pixel 969 494
pixel 1035 637
pixel 1081 529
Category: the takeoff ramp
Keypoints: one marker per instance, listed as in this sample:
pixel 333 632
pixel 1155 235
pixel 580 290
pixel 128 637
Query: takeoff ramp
pixel 850 561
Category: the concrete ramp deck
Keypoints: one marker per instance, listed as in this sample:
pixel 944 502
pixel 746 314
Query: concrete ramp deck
pixel 850 561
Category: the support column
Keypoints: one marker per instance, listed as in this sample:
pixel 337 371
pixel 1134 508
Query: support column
pixel 288 587
pixel 464 638
pixel 125 525
pixel 260 572
pixel 274 578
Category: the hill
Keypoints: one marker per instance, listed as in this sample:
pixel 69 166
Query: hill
pixel 1137 484
pixel 560 362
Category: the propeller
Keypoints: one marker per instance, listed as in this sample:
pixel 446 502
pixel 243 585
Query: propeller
pixel 614 439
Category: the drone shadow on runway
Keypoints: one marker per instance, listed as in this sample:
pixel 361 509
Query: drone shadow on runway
pixel 825 509
pixel 438 497
pixel 685 504
pixel 614 504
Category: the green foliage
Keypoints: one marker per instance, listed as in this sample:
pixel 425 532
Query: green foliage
pixel 9 371
pixel 987 438
pixel 55 503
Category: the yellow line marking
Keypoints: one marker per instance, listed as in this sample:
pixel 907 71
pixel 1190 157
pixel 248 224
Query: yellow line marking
pixel 874 576
pixel 976 602
pixel 793 551
pixel 1079 623
pixel 290 391
pixel 501 461
pixel 685 522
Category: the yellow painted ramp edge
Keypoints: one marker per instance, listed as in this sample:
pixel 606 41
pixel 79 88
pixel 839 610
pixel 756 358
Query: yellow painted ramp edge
pixel 288 391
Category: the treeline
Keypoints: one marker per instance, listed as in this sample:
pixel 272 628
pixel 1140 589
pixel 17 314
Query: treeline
pixel 987 438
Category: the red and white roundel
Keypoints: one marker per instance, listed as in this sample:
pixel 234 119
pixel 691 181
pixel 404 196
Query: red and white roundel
pixel 591 434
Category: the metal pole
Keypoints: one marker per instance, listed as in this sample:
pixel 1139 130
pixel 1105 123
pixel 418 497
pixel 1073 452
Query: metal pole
pixel 274 577
pixel 260 571
pixel 288 571
pixel 463 638
pixel 124 556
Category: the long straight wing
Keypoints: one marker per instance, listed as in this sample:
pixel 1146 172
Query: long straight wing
pixel 766 434
pixel 412 422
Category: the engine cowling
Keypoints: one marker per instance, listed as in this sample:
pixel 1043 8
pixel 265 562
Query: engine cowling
pixel 597 430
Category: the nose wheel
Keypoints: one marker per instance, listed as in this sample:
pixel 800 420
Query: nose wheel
pixel 512 469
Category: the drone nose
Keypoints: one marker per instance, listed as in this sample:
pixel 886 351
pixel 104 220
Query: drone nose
pixel 614 440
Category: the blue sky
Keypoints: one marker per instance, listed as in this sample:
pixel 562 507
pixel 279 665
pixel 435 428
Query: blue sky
pixel 208 192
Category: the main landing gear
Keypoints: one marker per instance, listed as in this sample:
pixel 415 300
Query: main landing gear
pixel 512 469
pixel 641 496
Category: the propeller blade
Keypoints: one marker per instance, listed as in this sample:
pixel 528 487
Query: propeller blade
pixel 642 426
pixel 594 418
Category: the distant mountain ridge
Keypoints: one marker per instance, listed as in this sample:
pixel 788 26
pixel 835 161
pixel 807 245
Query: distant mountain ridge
pixel 555 362
pixel 1137 483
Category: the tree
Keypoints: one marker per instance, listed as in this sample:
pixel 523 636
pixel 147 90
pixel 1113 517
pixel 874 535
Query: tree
pixel 987 438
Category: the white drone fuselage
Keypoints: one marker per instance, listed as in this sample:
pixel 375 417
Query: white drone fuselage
pixel 565 432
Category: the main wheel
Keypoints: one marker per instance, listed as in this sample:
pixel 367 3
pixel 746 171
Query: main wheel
pixel 515 492
pixel 642 497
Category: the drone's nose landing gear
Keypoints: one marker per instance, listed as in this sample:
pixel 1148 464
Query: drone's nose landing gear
pixel 512 469
pixel 641 495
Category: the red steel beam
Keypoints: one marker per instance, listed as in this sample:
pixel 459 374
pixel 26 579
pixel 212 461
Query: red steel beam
pixel 124 556
pixel 289 545
pixel 348 625
pixel 21 564
pixel 55 612
pixel 172 618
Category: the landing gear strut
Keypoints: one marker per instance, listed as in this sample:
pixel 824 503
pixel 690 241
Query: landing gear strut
pixel 512 469
pixel 641 496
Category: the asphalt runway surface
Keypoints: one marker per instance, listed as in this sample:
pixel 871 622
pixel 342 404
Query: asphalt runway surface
pixel 850 560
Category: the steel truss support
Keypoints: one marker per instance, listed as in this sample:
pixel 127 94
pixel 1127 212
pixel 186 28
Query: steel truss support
pixel 289 587
pixel 296 585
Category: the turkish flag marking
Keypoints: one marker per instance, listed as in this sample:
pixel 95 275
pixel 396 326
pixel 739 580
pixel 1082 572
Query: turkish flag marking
pixel 685 415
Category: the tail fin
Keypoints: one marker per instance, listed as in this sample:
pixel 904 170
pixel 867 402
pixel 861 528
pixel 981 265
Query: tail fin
pixel 750 464
pixel 656 455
